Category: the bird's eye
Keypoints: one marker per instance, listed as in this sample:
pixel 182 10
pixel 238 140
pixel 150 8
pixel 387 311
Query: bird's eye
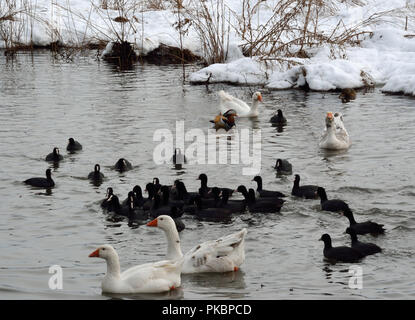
pixel 103 248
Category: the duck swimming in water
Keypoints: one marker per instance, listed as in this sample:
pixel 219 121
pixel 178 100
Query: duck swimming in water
pixel 228 102
pixel 364 248
pixel 343 253
pixel 54 156
pixel 225 121
pixel 153 277
pixel 225 254
pixel 123 165
pixel 265 193
pixel 42 182
pixel 96 175
pixel 278 119
pixel 73 145
pixel 307 191
pixel 283 167
pixel 334 136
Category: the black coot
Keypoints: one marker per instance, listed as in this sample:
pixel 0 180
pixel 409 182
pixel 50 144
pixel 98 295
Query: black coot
pixel 122 165
pixel 343 254
pixel 204 190
pixel 166 201
pixel 137 197
pixel 307 191
pixel 211 214
pixel 183 194
pixel 159 209
pixel 96 175
pixel 283 166
pixel 54 155
pixel 128 210
pixel 278 119
pixel 105 203
pixel 264 205
pixel 235 206
pixel 334 205
pixel 266 193
pixel 148 203
pixel 73 145
pixel 364 248
pixel 42 182
pixel 157 185
pixel 364 227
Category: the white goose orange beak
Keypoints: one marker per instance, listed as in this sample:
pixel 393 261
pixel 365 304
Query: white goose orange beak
pixel 152 223
pixel 94 254
pixel 260 97
pixel 329 115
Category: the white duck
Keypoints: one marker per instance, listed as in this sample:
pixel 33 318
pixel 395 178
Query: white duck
pixel 222 255
pixel 335 136
pixel 146 278
pixel 228 101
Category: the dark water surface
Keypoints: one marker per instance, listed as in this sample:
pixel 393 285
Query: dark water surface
pixel 115 114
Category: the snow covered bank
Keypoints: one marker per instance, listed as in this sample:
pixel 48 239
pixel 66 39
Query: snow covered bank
pixel 387 59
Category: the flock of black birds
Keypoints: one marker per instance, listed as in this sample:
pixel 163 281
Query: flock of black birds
pixel 213 203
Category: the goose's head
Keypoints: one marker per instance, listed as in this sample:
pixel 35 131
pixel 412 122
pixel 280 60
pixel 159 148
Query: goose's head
pixel 105 251
pixel 55 151
pixel 257 96
pixel 97 168
pixel 164 222
pixel 329 119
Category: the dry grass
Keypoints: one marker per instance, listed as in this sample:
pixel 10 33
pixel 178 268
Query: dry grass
pixel 211 22
pixel 15 18
pixel 298 25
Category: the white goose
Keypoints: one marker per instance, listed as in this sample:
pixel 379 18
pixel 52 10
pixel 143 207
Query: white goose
pixel 335 136
pixel 228 101
pixel 222 255
pixel 146 278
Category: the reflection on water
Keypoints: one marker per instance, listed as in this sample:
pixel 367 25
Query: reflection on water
pixel 114 114
pixel 175 294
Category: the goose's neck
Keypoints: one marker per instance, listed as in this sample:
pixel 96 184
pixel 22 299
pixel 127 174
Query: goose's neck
pixel 174 250
pixel 331 130
pixel 113 267
pixel 255 104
